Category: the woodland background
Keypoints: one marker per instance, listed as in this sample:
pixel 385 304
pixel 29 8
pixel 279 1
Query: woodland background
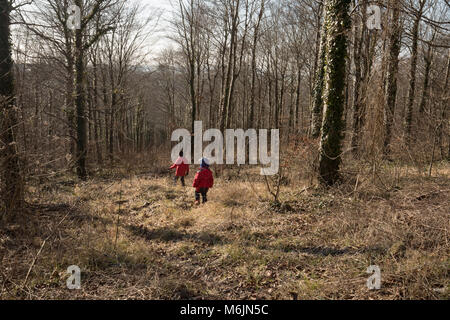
pixel 87 115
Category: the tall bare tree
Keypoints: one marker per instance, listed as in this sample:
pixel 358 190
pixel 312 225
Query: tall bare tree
pixel 83 41
pixel 317 109
pixel 392 73
pixel 417 14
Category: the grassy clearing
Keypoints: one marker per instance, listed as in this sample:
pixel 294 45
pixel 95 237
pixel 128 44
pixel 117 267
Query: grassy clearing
pixel 141 237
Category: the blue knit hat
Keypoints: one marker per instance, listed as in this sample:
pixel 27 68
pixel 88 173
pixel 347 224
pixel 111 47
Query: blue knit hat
pixel 204 162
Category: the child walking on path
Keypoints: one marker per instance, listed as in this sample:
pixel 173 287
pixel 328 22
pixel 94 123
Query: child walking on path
pixel 182 169
pixel 203 181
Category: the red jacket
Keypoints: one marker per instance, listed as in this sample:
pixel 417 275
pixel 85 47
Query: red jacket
pixel 182 167
pixel 203 179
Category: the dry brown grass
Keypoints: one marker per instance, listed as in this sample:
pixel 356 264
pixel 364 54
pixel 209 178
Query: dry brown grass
pixel 314 244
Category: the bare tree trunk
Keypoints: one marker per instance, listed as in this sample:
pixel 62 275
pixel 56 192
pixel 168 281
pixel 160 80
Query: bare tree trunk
pixel 426 80
pixel 391 77
pixel 251 119
pixel 292 118
pixel 444 113
pixel 105 109
pixel 412 77
pixel 231 68
pixel 112 122
pixel 317 109
pixel 97 123
pixel 298 119
pixel 69 105
pixel 359 33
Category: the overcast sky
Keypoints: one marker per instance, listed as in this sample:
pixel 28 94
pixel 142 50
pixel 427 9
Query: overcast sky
pixel 159 3
pixel 159 42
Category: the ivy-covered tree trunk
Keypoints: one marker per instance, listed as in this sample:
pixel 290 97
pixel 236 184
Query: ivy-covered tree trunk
pixel 317 108
pixel 337 24
pixel 11 178
pixel 391 78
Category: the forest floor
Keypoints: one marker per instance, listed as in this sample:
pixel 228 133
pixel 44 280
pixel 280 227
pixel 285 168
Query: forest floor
pixel 141 237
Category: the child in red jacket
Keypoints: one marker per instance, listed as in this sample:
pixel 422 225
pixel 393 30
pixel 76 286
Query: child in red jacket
pixel 182 169
pixel 203 181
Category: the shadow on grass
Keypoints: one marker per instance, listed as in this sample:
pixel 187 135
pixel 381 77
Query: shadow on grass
pixel 326 251
pixel 168 234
